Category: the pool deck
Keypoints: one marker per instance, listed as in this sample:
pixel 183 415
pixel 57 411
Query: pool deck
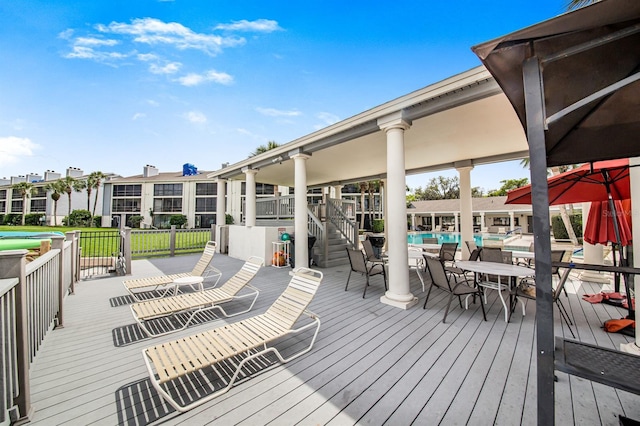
pixel 372 363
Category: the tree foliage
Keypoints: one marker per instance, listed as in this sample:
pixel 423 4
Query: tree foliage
pixel 508 185
pixel 264 148
pixel 443 188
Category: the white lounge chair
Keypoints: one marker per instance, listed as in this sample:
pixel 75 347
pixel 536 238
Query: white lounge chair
pixel 198 302
pixel 223 352
pixel 165 283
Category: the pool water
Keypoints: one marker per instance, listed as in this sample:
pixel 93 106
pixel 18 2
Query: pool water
pixel 451 237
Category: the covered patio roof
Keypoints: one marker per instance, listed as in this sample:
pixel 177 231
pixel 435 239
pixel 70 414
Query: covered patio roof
pixel 465 119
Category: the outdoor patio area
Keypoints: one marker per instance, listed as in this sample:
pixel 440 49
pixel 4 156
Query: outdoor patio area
pixel 371 364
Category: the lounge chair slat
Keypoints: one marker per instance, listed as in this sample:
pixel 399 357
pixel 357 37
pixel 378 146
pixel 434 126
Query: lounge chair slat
pixel 172 360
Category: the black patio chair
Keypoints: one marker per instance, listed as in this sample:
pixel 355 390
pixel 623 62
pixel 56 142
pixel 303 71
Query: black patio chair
pixel 359 264
pixel 440 279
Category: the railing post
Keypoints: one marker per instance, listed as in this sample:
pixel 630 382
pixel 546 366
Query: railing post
pixel 57 243
pixel 12 265
pixel 126 248
pixel 75 259
pixel 172 241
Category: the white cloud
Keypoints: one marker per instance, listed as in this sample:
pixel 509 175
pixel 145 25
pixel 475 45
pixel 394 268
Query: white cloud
pixel 138 115
pixel 154 31
pixel 272 112
pixel 92 41
pixel 13 149
pixel 327 118
pixel 193 79
pixel 259 25
pixel 195 117
pixel 153 102
pixel 146 57
pixel 84 52
pixel 170 68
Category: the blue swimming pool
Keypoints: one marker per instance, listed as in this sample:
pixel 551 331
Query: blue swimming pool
pixel 450 237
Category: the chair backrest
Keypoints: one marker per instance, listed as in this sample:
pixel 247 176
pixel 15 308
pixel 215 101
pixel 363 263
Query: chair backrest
pixel 437 228
pixel 437 273
pixel 243 276
pixel 475 254
pixel 448 252
pixel 491 254
pixel 556 256
pixel 296 297
pixel 507 257
pixel 368 250
pixel 429 240
pixel 357 260
pixel 471 245
pixel 205 259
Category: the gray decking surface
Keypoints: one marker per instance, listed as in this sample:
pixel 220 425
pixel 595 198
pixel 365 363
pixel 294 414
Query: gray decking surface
pixel 372 363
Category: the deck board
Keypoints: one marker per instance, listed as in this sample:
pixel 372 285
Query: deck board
pixel 371 364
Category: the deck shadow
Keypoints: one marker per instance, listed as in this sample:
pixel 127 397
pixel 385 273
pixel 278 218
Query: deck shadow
pixel 133 333
pixel 138 403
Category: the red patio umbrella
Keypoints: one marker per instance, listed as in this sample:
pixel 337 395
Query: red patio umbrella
pixel 599 228
pixel 598 181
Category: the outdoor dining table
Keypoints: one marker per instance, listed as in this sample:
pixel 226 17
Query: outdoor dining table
pixel 501 270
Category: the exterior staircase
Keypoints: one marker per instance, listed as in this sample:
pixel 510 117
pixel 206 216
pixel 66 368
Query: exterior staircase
pixel 336 245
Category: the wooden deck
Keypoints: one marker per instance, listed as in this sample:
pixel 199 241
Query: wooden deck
pixel 372 363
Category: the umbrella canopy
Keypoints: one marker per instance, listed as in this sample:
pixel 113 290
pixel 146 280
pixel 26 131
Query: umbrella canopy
pixel 589 182
pixel 600 229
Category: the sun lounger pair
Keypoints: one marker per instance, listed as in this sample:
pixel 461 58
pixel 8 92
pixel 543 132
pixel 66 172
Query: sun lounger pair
pixel 164 284
pixel 194 303
pixel 208 364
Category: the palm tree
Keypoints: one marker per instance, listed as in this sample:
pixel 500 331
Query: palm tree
pixel 576 4
pixel 26 189
pixel 57 188
pixel 68 184
pixel 93 182
pixel 264 148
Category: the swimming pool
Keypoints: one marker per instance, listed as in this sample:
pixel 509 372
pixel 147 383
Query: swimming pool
pixel 451 237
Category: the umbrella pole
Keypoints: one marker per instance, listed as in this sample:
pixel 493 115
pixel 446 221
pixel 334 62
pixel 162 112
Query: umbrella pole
pixel 616 230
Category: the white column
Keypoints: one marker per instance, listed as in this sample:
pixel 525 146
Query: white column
pixel 250 197
pixel 482 224
pixel 300 214
pixel 511 221
pixel 591 254
pixel 337 192
pixel 399 293
pixel 433 221
pixel 466 208
pixel 413 221
pixel 220 202
pixel 634 174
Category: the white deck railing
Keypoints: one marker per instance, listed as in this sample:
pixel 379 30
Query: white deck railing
pixel 31 305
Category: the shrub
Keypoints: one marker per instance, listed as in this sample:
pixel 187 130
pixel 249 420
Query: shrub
pixel 33 219
pixel 135 221
pixel 97 221
pixel 179 220
pixel 228 219
pixel 560 232
pixel 13 219
pixel 378 225
pixel 80 218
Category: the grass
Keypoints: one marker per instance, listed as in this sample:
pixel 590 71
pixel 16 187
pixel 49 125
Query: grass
pixel 105 242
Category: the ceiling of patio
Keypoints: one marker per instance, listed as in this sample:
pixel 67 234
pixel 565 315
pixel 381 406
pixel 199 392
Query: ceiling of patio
pixel 463 120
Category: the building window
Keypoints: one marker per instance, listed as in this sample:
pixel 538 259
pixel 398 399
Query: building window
pixel 167 190
pixel 206 204
pixel 206 189
pixel 3 194
pixel 122 205
pixel 167 205
pixel 127 190
pixel 39 192
pixel 39 206
pixel 3 206
pixel 15 194
pixel 16 206
pixel 261 189
pixel 205 220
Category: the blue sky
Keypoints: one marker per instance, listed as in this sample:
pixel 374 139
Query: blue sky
pixel 115 85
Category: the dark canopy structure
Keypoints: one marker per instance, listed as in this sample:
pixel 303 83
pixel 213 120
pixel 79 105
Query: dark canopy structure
pixel 574 83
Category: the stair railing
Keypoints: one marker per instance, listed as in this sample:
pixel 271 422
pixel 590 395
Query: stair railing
pixel 341 213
